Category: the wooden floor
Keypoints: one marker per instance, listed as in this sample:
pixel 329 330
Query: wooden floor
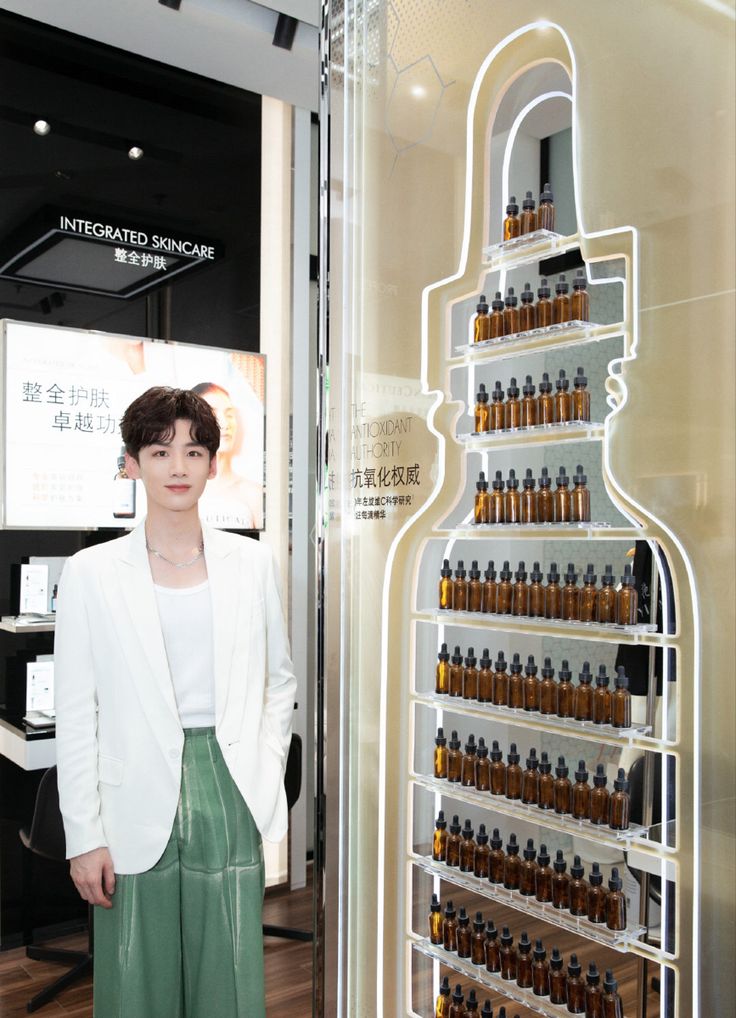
pixel 288 968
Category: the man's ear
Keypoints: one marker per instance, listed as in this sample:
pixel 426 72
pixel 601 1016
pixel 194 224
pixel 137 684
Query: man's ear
pixel 213 467
pixel 132 467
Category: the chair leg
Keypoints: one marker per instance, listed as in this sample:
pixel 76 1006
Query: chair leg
pixel 61 983
pixel 287 932
pixel 27 895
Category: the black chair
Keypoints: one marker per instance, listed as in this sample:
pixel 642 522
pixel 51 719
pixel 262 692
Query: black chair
pixel 293 786
pixel 46 838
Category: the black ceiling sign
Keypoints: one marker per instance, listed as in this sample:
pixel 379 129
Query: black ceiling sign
pixel 91 253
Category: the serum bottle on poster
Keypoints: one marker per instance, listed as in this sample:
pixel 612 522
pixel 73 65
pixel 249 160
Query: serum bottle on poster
pixel 123 499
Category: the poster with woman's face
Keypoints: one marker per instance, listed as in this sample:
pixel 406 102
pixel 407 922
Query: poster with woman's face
pixel 64 393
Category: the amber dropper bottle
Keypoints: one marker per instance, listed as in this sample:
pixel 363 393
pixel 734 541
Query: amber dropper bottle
pixel 575 987
pixel 605 602
pixel 565 692
pixel 562 792
pixel 528 870
pixel 546 211
pixel 482 851
pixel 489 596
pixel 454 840
pixel 571 595
pixel 528 404
pixel 460 588
pixel 563 399
pixel 520 598
pixel 495 324
pixel 481 321
pixel 557 979
pixel 496 859
pixel 560 883
pixel 449 927
pixel 580 497
pixel 527 311
pixel 500 682
pixel 540 971
pixel 435 921
pixel 561 307
pixel 463 933
pixel 456 673
pixel 612 1004
pixel 508 955
pixel 580 298
pixel 505 590
pixel 467 767
pixel 563 498
pixel 513 774
pixel 482 767
pixel 599 797
pixel 596 895
pixel 516 685
pixel 512 865
pixel 615 902
pixel 530 779
pixel 446 586
pixel 593 992
pixel 553 594
pixel 457 1007
pixel 581 793
pixel 454 758
pixel 482 411
pixel 543 308
pixel 440 754
pixel 545 499
pixel 588 594
pixel 497 415
pixel 528 214
pixel 580 397
pixel 536 593
pixel 529 499
pixel 512 408
pixel 485 679
pixel 546 783
pixel 442 675
pixel 512 223
pixel 478 940
pixel 470 676
pixel 584 694
pixel 531 685
pixel 439 839
pixel 548 689
pixel 482 502
pixel 543 876
pixel 546 412
pixel 512 499
pixel 621 701
pixel 492 948
pixel 442 1005
pixel 619 808
pixel 475 587
pixel 578 889
pixel 498 773
pixel 602 698
pixel 524 961
pixel 497 510
pixel 627 600
pixel 511 313
pixel 467 849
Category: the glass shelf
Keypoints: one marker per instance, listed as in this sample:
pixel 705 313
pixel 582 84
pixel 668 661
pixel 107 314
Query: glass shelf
pixel 638 736
pixel 539 434
pixel 553 337
pixel 592 631
pixel 565 824
pixel 619 940
pixel 587 531
pixel 530 247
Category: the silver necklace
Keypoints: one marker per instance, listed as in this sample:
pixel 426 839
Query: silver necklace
pixel 176 565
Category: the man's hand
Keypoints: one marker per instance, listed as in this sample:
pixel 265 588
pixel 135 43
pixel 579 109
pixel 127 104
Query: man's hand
pixel 94 876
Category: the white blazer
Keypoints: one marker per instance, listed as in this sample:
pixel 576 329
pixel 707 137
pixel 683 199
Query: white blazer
pixel 118 736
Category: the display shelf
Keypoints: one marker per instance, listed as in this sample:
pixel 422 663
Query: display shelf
pixel 618 940
pixel 590 631
pixel 530 247
pixel 636 737
pixel 538 434
pixel 7 626
pixel 31 749
pixel 553 338
pixel 565 824
pixel 586 531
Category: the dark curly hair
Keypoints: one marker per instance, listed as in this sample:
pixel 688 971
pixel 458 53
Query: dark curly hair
pixel 152 416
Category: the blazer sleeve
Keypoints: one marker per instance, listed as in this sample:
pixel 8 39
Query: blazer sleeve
pixel 76 716
pixel 278 708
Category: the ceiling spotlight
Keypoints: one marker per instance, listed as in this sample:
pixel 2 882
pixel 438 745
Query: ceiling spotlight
pixel 42 127
pixel 174 5
pixel 135 152
pixel 286 27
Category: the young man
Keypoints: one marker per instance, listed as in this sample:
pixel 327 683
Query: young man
pixel 175 694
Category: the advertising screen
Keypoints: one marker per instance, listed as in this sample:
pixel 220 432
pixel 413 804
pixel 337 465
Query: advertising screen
pixel 64 392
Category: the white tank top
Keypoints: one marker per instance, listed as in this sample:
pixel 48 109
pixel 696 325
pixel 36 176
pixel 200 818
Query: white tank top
pixel 186 622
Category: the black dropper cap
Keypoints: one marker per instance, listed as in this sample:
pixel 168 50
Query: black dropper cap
pixel 610 985
pixel 460 571
pixel 498 481
pixel 562 478
pixel 571 576
pixel 482 395
pixel 445 990
pixel 443 653
pixel 513 756
pixel 496 840
pixel 564 674
pixel 470 746
pixel 482 305
pixel 457 658
pixel 463 919
pixel 506 571
pixel 481 484
pixel 440 739
pixel 440 823
pixel 455 825
pixel 487 1011
pixel 512 481
pixel 573 968
pixel 520 573
pixel 528 203
pixel 548 671
pixel 555 960
pixel 491 931
pixel 485 661
pixel 458 997
pixel 576 870
pixel 531 761
pixel 545 386
pixel 497 302
pixel 546 194
pixel 562 384
pixel 627 580
pixel 530 667
pixel 471 1004
pixel 620 783
pixel 454 742
pixel 543 857
pixel 562 286
pixel 536 575
pixel 490 573
pixel 589 574
pixel 478 922
pixel 527 294
pixel 545 766
pixel 622 681
pixel 595 877
pixel 449 909
pixel 593 975
pixel 482 751
pixel 599 778
pixel 501 662
pixel 467 831
pixel 615 883
pixel 539 952
pixel 529 481
pixel 474 573
pixel 581 774
pixel 511 299
pixel 525 945
pixel 529 388
pixel 580 281
pixel 481 837
pixel 512 208
pixel 497 394
pixel 561 770
pixel 530 851
pixel 553 576
pixel 607 578
pixel 544 480
pixel 559 864
pixel 584 676
pixel 579 477
pixel 601 679
pixel 435 905
pixel 506 938
pixel 580 380
pixel 446 570
pixel 513 390
pixel 512 848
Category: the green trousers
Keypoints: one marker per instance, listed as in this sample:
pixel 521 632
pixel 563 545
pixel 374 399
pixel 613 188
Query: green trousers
pixel 184 939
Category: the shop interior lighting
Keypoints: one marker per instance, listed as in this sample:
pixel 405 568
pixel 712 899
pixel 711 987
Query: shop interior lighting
pixel 286 27
pixel 173 5
pixel 135 152
pixel 42 127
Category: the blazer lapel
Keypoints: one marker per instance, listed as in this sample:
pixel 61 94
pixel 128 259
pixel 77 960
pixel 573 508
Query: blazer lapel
pixel 226 591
